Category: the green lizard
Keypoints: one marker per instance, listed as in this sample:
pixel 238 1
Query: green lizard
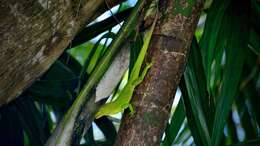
pixel 122 102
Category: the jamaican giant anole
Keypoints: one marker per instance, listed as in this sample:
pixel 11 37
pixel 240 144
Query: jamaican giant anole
pixel 122 102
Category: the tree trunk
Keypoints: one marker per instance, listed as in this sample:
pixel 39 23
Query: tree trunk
pixel 33 34
pixel 169 49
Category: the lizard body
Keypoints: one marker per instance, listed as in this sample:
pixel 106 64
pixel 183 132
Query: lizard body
pixel 122 102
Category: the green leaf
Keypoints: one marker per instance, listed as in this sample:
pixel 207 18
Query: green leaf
pixel 33 122
pixel 195 64
pixel 97 28
pixel 234 52
pixel 108 129
pixel 197 104
pixel 231 136
pixel 255 13
pixel 173 128
pixel 195 114
pixel 242 107
pixel 208 41
pixel 81 52
pixel 92 59
pixel 255 42
pixel 99 49
pixel 55 87
pixel 72 63
pixel 183 135
pixel 89 137
pixel 252 96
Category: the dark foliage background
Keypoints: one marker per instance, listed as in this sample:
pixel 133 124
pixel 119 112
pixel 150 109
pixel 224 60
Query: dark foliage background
pixel 220 90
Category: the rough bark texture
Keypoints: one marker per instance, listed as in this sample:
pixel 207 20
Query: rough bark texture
pixel 153 98
pixel 33 34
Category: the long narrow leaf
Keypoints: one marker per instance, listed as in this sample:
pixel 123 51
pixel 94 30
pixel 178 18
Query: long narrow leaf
pixel 108 129
pixel 233 66
pixel 208 41
pixel 173 128
pixel 195 64
pixel 195 115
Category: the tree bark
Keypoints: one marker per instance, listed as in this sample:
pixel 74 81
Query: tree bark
pixel 169 48
pixel 33 34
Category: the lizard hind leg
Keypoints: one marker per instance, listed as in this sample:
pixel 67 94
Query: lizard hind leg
pixel 130 107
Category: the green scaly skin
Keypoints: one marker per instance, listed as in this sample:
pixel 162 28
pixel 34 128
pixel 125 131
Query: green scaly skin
pixel 124 98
